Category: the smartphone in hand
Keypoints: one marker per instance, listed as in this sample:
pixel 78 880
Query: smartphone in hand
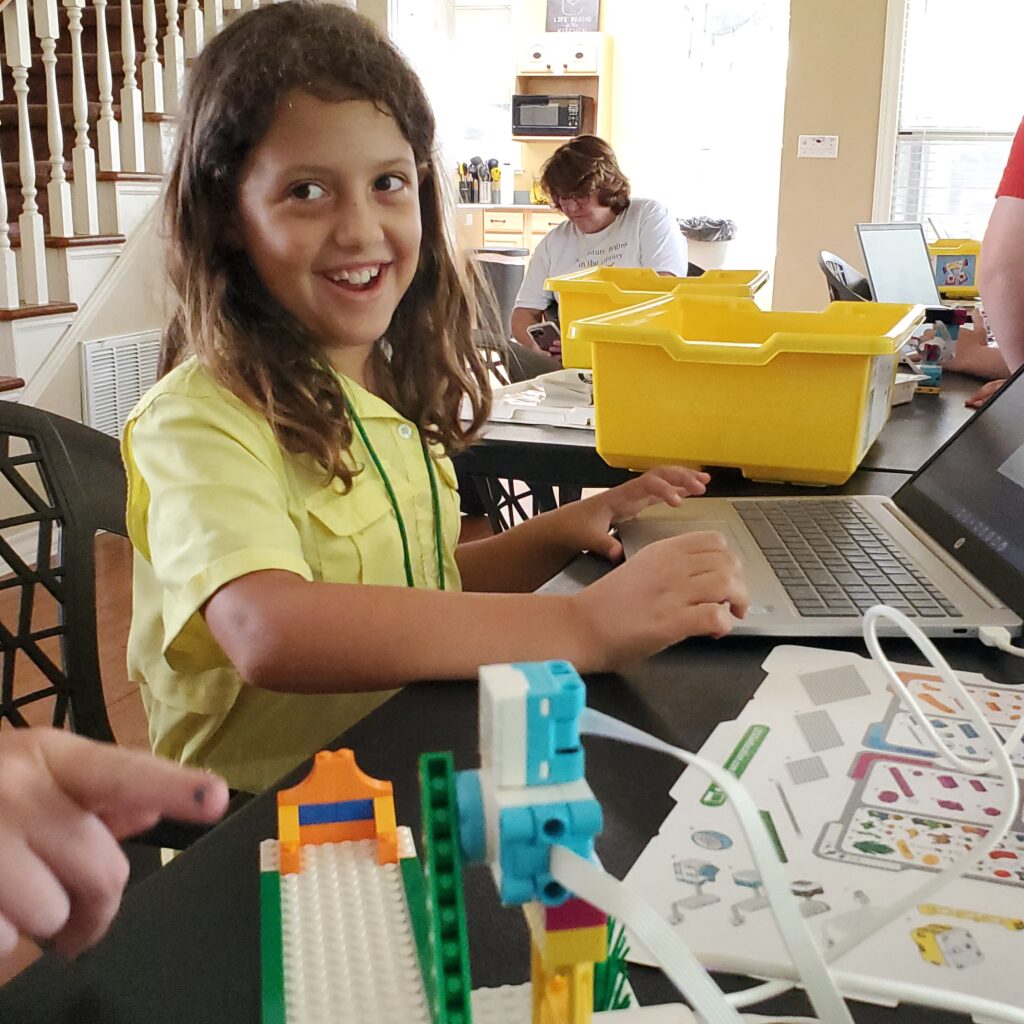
pixel 545 334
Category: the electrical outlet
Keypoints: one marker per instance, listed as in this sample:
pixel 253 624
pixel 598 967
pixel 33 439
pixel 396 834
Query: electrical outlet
pixel 820 147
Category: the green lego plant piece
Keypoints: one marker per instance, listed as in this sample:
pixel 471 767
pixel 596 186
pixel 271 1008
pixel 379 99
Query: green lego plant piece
pixel 611 977
pixel 272 949
pixel 416 898
pixel 448 982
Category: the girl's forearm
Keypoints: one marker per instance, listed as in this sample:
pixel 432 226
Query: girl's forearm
pixel 521 559
pixel 286 634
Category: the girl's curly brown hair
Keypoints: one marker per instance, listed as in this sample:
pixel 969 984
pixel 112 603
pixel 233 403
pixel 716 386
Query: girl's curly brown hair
pixel 583 167
pixel 427 361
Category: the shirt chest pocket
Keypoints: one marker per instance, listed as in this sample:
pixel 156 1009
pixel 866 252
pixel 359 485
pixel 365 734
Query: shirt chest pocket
pixel 355 536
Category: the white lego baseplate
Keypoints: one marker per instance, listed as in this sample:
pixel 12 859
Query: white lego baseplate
pixel 510 1004
pixel 349 951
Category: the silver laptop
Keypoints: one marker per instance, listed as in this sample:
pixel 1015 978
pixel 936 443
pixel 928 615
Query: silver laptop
pixel 897 262
pixel 947 549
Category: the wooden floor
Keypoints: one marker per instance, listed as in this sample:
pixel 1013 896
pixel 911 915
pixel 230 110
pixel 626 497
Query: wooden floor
pixel 113 617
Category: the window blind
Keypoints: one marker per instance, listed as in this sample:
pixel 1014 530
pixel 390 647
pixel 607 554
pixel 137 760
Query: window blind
pixel 961 100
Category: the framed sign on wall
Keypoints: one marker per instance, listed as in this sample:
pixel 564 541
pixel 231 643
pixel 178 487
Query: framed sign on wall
pixel 573 15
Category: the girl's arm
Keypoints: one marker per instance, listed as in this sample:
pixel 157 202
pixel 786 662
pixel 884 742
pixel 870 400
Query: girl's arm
pixel 527 556
pixel 284 633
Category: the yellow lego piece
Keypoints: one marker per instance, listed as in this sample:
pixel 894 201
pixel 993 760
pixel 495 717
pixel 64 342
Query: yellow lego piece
pixel 567 946
pixel 1013 924
pixel 564 996
pixel 288 836
pixel 387 829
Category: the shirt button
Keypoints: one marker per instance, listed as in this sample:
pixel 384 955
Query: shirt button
pixel 404 431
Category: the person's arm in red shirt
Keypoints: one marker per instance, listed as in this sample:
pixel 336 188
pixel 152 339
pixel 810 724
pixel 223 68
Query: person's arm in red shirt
pixel 1001 281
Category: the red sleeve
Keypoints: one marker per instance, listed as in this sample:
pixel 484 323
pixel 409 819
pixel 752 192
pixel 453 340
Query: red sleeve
pixel 1013 177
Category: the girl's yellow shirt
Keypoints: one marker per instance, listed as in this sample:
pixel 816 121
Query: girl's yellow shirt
pixel 211 497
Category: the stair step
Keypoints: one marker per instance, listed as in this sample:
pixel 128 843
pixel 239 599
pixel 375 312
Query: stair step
pixel 26 310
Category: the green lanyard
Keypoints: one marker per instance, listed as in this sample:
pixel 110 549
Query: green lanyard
pixel 435 501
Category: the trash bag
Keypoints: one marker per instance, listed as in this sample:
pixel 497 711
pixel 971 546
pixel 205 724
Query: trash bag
pixel 707 229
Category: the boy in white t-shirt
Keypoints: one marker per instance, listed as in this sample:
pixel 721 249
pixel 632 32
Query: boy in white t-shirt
pixel 604 228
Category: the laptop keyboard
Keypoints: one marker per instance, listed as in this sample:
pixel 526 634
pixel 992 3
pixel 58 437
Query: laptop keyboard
pixel 834 560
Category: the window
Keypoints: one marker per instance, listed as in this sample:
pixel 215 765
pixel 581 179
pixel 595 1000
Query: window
pixel 961 98
pixel 464 51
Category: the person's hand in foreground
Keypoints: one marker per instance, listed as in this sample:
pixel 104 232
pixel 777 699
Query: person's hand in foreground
pixel 64 803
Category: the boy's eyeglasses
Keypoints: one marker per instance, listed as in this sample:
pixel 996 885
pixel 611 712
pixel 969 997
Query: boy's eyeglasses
pixel 570 202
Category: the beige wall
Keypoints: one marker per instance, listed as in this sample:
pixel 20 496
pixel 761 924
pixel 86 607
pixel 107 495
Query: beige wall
pixel 833 88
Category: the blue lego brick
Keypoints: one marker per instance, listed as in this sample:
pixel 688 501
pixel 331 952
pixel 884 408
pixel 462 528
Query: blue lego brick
pixel 553 739
pixel 340 810
pixel 526 835
pixel 472 823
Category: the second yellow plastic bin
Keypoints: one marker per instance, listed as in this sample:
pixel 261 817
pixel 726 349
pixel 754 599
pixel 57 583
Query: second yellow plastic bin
pixel 598 290
pixel 796 397
pixel 955 262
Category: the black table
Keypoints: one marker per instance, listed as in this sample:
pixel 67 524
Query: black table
pixel 560 455
pixel 917 430
pixel 186 945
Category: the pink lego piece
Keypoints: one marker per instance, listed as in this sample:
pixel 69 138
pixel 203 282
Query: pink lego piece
pixel 573 913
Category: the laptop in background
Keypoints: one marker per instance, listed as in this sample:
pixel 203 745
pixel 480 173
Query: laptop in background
pixel 947 549
pixel 897 262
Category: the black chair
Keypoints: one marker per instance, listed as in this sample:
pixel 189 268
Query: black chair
pixel 68 482
pixel 692 270
pixel 844 283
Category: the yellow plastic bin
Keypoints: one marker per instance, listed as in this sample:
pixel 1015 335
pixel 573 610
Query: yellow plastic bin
pixel 796 397
pixel 598 290
pixel 955 262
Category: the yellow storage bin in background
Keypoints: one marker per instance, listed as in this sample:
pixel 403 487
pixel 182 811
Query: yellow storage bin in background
pixel 955 263
pixel 797 397
pixel 598 290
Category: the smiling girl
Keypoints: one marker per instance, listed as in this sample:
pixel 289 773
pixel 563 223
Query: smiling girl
pixel 291 500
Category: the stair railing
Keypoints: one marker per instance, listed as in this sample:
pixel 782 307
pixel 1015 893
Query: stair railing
pixel 18 52
pixel 132 148
pixel 84 203
pixel 58 191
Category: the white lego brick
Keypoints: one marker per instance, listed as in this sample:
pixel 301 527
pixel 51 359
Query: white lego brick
pixel 270 855
pixel 559 793
pixel 406 843
pixel 349 951
pixel 511 1004
pixel 503 691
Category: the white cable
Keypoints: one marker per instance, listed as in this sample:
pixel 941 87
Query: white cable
pixel 828 1003
pixel 997 636
pixel 999 762
pixel 683 969
pixel 595 723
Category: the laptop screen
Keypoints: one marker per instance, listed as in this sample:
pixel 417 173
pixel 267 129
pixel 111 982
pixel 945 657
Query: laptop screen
pixel 969 497
pixel 898 264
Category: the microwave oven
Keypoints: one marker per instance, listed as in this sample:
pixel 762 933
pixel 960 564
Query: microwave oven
pixel 549 115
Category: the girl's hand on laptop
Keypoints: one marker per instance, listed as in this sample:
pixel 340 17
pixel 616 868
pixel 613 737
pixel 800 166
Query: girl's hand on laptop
pixel 585 524
pixel 691 585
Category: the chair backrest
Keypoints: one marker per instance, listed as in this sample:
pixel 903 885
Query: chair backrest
pixel 504 270
pixel 67 481
pixel 844 283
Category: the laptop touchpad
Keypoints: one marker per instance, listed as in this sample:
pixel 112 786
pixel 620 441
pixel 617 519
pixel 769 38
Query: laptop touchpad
pixel 638 533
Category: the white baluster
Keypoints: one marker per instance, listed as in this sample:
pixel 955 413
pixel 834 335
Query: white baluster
pixel 84 205
pixel 213 17
pixel 58 191
pixel 152 69
pixel 30 223
pixel 132 150
pixel 106 131
pixel 174 60
pixel 8 263
pixel 193 28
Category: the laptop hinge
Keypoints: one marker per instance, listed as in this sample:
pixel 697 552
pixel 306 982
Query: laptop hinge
pixel 958 570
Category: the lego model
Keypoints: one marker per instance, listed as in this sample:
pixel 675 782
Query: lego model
pixel 946 946
pixel 355 927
